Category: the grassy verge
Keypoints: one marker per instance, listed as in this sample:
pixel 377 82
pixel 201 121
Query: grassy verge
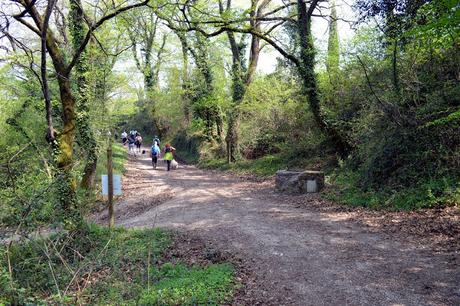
pixel 265 166
pixel 345 186
pixel 103 267
pixel 180 285
pixel 433 192
pixel 119 158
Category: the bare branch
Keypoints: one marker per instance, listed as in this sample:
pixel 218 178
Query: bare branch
pixel 96 26
pixel 49 118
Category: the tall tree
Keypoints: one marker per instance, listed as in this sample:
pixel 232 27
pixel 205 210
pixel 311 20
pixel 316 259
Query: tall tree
pixel 199 96
pixel 242 76
pixel 302 56
pixel 306 67
pixel 87 139
pixel 148 48
pixel 66 137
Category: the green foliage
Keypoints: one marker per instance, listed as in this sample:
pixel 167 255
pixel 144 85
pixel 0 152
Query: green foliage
pixel 333 46
pixel 115 262
pixel 433 192
pixel 438 21
pixel 452 118
pixel 187 146
pixel 121 252
pixel 264 166
pixel 179 285
pixel 27 193
pixel 269 115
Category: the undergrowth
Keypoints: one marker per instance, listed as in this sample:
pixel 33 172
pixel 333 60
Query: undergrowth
pixel 346 185
pixel 103 267
pixel 265 166
pixel 179 285
pixel 430 193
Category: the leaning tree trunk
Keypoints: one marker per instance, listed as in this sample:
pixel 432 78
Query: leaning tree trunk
pixel 309 83
pixel 242 77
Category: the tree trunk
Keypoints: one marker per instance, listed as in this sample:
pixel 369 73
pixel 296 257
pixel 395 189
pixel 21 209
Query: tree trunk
pixel 232 137
pixel 185 77
pixel 209 111
pixel 86 135
pixel 66 182
pixel 242 78
pixel 310 87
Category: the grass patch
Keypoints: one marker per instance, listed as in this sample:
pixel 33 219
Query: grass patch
pixel 179 285
pixel 347 188
pixel 265 166
pixel 434 192
pixel 187 156
pixel 103 267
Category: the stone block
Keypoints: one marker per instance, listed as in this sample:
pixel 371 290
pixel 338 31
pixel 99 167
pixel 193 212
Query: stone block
pixel 297 182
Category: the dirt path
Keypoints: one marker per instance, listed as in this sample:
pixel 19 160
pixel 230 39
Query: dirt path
pixel 300 255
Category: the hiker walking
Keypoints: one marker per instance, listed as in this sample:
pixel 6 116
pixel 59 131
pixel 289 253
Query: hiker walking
pixel 131 143
pixel 156 140
pixel 138 142
pixel 155 153
pixel 124 137
pixel 168 155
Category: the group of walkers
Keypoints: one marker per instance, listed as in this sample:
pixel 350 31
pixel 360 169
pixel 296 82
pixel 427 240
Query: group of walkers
pixel 168 154
pixel 134 139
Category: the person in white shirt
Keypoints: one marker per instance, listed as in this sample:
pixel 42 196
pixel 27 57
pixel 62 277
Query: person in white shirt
pixel 124 137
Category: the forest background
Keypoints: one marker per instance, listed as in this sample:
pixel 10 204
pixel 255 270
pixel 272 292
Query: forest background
pixel 251 86
pixel 254 87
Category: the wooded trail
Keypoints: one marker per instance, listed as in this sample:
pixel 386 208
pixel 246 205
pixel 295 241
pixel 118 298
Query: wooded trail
pixel 299 255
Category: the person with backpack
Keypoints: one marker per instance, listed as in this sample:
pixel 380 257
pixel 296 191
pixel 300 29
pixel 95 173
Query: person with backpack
pixel 155 153
pixel 168 155
pixel 156 140
pixel 131 142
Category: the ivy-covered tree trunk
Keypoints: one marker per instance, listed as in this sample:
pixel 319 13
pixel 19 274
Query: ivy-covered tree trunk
pixel 185 76
pixel 239 89
pixel 86 135
pixel 203 102
pixel 241 76
pixel 66 182
pixel 306 69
